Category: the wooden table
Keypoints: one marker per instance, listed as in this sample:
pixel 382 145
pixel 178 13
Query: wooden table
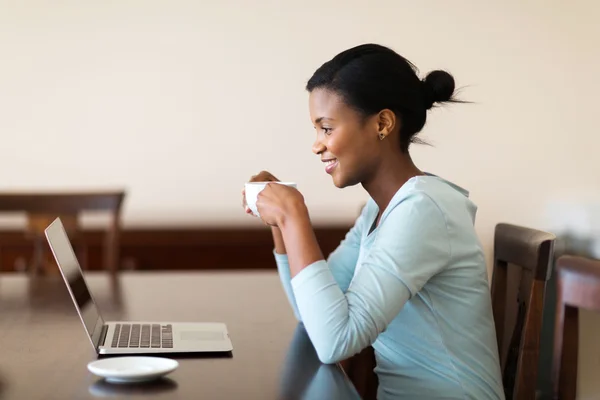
pixel 44 349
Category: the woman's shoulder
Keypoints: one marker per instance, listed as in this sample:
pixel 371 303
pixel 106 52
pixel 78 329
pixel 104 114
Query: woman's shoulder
pixel 433 218
pixel 438 189
pixel 451 200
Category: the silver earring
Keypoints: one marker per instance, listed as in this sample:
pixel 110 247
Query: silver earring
pixel 381 136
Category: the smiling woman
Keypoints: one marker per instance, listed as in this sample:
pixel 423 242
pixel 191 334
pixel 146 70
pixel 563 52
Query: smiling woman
pixel 410 277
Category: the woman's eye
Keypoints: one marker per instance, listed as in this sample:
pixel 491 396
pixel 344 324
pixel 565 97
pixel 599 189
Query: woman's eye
pixel 326 131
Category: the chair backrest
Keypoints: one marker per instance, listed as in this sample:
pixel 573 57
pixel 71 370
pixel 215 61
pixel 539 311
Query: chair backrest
pixel 522 259
pixel 360 370
pixel 578 286
pixel 43 207
pixel 61 202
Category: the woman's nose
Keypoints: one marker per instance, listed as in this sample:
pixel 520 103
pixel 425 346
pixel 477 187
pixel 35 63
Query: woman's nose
pixel 318 147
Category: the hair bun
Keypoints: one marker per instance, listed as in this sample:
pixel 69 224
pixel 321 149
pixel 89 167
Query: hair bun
pixel 438 87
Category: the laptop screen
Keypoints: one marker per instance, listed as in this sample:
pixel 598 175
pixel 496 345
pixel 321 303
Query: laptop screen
pixel 72 274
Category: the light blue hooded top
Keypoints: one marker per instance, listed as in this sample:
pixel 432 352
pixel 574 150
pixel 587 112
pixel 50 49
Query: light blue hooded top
pixel 415 288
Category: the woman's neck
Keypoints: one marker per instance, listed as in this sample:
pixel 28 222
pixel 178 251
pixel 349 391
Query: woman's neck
pixel 389 178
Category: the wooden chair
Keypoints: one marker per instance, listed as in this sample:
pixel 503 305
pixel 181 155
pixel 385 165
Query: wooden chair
pixel 578 286
pixel 43 207
pixel 522 259
pixel 359 369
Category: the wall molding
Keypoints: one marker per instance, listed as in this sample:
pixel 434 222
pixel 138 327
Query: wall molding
pixel 169 249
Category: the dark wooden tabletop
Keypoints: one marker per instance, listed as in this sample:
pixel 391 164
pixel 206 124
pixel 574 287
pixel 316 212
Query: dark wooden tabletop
pixel 44 349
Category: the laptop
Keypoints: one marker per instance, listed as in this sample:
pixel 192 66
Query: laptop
pixel 129 337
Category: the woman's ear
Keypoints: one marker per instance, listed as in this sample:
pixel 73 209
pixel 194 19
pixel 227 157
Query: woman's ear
pixel 386 121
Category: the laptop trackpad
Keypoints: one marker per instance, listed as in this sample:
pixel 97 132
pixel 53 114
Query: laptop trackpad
pixel 201 335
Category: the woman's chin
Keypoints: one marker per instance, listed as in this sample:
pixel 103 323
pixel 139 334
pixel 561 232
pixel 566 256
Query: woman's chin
pixel 339 181
pixel 336 181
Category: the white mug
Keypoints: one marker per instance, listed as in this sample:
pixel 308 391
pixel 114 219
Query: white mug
pixel 254 188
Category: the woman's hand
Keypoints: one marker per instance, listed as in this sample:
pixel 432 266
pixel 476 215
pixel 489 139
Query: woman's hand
pixel 278 204
pixel 262 176
pixel 283 208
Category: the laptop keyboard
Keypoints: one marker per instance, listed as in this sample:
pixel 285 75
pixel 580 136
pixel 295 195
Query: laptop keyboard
pixel 143 336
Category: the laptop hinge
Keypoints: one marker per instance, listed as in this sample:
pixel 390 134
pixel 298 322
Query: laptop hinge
pixel 103 335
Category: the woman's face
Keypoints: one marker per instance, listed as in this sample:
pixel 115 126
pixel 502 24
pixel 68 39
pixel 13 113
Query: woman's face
pixel 346 140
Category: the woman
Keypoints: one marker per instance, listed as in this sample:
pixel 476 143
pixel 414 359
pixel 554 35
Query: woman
pixel 410 277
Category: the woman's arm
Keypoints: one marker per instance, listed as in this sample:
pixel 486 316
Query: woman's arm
pixel 411 245
pixel 303 248
pixel 283 265
pixel 278 240
pixel 342 261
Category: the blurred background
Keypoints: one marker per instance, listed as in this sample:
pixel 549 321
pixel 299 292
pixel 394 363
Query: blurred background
pixel 177 103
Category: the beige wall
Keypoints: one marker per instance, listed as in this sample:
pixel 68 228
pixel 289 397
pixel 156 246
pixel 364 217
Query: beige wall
pixel 181 101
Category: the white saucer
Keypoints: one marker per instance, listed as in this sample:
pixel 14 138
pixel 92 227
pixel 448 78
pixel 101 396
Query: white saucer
pixel 132 369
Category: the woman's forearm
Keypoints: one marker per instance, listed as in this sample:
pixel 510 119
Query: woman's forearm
pixel 278 240
pixel 300 241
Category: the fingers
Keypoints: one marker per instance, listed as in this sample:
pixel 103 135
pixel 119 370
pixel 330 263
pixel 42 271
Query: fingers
pixel 263 176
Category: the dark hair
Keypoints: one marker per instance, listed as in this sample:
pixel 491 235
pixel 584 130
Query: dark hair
pixel 371 78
